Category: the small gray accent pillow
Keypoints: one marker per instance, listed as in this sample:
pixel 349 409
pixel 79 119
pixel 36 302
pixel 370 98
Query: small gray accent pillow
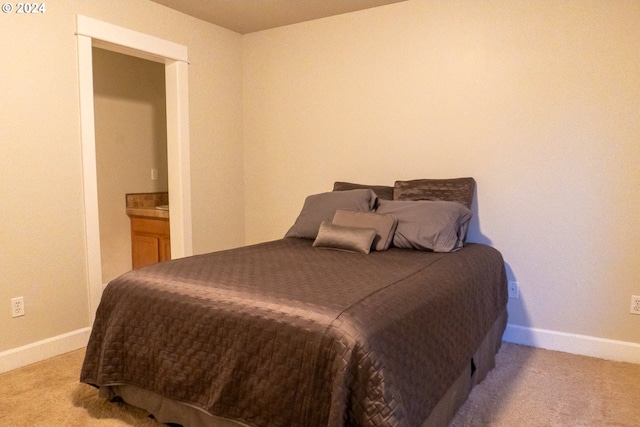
pixel 349 239
pixel 320 207
pixel 428 225
pixel 385 225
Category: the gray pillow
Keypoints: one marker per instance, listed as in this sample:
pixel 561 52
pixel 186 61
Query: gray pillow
pixel 428 225
pixel 385 225
pixel 451 190
pixel 323 206
pixel 349 239
pixel 382 191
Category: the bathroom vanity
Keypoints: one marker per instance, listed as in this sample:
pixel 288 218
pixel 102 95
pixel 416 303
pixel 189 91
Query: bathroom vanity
pixel 150 233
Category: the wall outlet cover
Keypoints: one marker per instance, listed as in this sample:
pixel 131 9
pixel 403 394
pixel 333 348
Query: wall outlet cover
pixel 513 289
pixel 17 307
pixel 635 304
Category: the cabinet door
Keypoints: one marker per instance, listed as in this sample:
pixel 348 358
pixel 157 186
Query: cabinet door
pixel 164 248
pixel 145 250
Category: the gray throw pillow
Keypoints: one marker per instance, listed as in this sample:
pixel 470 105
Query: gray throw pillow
pixel 349 239
pixel 385 225
pixel 428 225
pixel 320 207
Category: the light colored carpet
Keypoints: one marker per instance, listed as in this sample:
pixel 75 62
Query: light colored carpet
pixel 542 388
pixel 528 387
pixel 49 394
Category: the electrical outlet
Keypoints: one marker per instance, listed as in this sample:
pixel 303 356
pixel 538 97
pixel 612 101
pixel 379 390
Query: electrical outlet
pixel 17 307
pixel 513 289
pixel 635 304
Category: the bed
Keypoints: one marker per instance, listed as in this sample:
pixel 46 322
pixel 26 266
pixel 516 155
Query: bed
pixel 349 320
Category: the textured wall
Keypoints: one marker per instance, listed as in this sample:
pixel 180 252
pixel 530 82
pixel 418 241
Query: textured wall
pixel 538 100
pixel 42 240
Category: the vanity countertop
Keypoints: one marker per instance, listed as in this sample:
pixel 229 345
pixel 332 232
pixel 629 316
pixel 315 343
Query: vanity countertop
pixel 149 205
pixel 148 212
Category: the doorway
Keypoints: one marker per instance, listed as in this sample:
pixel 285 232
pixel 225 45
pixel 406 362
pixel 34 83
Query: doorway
pixel 93 33
pixel 131 147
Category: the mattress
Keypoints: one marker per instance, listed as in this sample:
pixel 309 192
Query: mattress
pixel 284 334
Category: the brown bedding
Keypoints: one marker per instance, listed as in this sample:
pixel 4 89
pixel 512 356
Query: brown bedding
pixel 284 334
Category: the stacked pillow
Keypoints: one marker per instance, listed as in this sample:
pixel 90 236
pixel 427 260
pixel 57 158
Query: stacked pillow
pixel 439 226
pixel 320 207
pixel 356 231
pixel 356 220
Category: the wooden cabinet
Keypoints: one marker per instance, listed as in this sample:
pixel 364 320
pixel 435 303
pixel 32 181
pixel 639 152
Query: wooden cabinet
pixel 150 241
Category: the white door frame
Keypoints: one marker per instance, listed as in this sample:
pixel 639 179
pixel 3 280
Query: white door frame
pixel 90 33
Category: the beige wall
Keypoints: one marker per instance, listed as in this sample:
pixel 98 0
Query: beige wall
pixel 538 100
pixel 42 241
pixel 131 139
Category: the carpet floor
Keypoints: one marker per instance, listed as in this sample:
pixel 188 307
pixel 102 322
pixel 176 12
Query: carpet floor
pixel 543 388
pixel 528 387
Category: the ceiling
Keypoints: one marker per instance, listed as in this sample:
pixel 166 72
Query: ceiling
pixel 247 16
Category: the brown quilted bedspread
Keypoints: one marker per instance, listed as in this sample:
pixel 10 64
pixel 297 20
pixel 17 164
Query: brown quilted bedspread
pixel 283 334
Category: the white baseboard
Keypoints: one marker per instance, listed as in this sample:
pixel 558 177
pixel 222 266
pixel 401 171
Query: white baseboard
pixel 585 345
pixel 620 351
pixel 37 351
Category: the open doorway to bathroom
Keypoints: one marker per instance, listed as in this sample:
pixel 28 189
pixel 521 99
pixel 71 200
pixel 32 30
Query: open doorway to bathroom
pixel 131 146
pixel 91 33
